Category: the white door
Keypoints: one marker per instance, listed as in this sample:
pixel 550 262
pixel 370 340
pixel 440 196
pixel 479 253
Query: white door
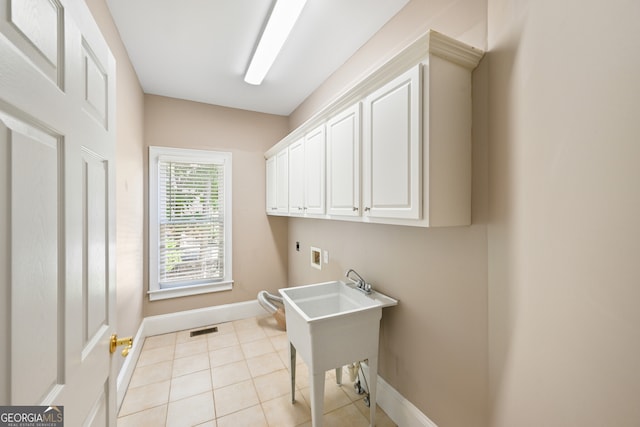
pixel 57 228
pixel 296 178
pixel 314 171
pixel 391 149
pixel 343 163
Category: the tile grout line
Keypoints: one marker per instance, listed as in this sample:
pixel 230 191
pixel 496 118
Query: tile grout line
pixel 264 415
pixel 213 395
pixel 173 362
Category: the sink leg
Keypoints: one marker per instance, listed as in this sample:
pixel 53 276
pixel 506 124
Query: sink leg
pixel 292 369
pixel 317 399
pixel 339 375
pixel 373 384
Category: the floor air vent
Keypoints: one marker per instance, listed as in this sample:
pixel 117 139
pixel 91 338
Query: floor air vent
pixel 204 331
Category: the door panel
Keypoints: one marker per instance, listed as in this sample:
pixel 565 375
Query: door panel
pixel 343 164
pixel 272 186
pixel 36 28
pixel 98 415
pixel 95 245
pixel 296 178
pixel 35 330
pixel 282 181
pixel 392 149
pixel 95 84
pixel 314 171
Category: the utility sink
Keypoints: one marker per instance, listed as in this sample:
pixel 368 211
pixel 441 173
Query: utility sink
pixel 330 325
pixel 332 299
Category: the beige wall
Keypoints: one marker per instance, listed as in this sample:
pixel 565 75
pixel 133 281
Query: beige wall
pixel 129 178
pixel 564 234
pixel 465 20
pixel 433 347
pixel 259 242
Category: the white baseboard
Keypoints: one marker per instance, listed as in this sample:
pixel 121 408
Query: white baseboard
pixel 180 321
pixel 126 371
pixel 402 412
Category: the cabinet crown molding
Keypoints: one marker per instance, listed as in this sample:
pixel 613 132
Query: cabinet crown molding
pixel 430 43
pixel 453 50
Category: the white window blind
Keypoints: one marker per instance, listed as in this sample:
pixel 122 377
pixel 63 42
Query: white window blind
pixel 189 223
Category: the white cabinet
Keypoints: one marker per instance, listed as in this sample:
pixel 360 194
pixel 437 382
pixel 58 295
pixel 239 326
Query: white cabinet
pixel 391 151
pixel 314 171
pixel 296 178
pixel 343 163
pixel 398 144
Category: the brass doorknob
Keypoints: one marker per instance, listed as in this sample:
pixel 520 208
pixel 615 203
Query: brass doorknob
pixel 115 342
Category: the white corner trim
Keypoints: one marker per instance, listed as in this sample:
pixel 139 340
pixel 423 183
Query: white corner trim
pixel 179 321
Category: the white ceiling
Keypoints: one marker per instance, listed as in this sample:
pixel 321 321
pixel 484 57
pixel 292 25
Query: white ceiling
pixel 199 49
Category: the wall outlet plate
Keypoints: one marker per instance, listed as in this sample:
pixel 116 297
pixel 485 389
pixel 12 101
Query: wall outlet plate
pixel 316 258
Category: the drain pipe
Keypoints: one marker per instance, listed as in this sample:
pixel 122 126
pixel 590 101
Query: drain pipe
pixel 268 302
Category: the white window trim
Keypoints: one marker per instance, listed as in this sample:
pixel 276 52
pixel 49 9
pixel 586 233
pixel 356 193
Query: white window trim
pixel 179 154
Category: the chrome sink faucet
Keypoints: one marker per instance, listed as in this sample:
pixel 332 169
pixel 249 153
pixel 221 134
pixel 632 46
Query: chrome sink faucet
pixel 360 283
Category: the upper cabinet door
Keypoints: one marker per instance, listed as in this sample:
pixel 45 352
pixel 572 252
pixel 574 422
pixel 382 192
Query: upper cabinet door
pixel 343 163
pixel 392 149
pixel 272 201
pixel 282 181
pixel 296 178
pixel 314 171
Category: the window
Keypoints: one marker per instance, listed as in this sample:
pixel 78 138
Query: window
pixel 189 222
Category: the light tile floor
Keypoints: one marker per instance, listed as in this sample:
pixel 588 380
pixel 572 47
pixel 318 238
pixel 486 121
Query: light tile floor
pixel 237 376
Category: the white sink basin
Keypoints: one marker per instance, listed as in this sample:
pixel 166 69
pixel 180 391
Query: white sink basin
pixel 330 325
pixel 331 299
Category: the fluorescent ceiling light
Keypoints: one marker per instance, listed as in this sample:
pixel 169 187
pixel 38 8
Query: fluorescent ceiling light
pixel 283 17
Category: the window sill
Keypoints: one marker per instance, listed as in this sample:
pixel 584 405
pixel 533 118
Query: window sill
pixel 185 291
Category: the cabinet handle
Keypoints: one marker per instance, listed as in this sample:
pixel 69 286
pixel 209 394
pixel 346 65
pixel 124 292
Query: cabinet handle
pixel 355 209
pixel 367 209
